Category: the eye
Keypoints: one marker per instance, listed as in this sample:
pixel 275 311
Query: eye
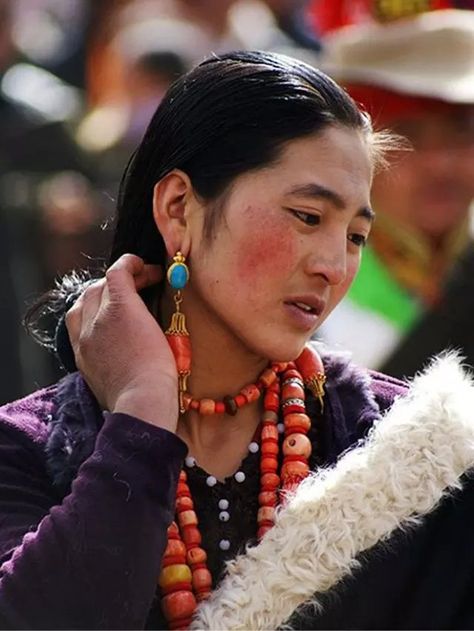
pixel 307 218
pixel 358 239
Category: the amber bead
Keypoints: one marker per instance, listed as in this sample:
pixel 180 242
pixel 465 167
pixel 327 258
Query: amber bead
pixel 297 445
pixel 202 579
pixel 187 518
pixel 294 469
pixel 174 574
pixel 207 407
pixel 179 605
pixel 196 555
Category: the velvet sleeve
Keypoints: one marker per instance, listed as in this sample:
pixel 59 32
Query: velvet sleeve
pixel 90 561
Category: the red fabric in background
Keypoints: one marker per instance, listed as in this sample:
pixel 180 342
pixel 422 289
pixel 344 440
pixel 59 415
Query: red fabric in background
pixel 329 15
pixel 386 106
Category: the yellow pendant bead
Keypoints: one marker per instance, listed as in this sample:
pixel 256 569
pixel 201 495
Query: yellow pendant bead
pixel 174 574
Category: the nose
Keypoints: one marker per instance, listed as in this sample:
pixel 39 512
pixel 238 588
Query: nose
pixel 329 261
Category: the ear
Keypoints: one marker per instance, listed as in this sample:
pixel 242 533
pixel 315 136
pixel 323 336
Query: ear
pixel 171 198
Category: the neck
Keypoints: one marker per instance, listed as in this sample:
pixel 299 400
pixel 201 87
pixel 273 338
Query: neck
pixel 221 366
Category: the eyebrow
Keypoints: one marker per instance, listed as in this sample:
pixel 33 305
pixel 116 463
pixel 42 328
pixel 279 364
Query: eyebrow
pixel 316 191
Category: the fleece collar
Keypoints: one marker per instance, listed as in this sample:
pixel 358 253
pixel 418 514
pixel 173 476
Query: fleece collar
pixel 414 455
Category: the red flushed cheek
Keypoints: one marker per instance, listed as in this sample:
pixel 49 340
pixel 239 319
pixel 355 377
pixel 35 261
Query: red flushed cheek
pixel 268 251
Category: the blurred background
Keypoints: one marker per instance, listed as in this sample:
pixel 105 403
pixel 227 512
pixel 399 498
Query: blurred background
pixel 80 79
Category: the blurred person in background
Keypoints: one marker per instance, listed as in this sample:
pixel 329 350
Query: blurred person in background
pixel 416 77
pixel 48 207
pixel 218 26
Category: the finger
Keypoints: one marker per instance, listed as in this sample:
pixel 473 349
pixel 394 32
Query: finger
pixel 129 273
pixel 150 275
pixel 91 300
pixel 73 321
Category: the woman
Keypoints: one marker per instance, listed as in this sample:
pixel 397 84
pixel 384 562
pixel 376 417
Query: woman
pixel 255 173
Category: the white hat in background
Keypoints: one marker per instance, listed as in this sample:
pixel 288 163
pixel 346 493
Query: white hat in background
pixel 431 55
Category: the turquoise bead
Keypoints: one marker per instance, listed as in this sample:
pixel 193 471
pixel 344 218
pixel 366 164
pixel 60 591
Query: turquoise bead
pixel 178 276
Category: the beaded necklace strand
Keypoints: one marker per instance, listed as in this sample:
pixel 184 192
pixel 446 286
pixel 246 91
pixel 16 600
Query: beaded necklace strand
pixel 185 578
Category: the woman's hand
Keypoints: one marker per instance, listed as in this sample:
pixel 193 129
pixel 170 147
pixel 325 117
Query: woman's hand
pixel 119 347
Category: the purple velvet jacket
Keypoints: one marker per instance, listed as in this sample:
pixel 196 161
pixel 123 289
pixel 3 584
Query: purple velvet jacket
pixel 86 498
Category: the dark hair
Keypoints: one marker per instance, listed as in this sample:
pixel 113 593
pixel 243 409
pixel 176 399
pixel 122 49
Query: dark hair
pixel 230 114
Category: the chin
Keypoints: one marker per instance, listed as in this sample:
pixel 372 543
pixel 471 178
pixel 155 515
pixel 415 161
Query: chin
pixel 285 350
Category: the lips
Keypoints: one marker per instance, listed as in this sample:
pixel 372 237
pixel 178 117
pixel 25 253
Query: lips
pixel 304 311
pixel 307 304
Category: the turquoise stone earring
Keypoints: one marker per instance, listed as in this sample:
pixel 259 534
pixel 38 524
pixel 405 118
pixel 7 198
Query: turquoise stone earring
pixel 178 272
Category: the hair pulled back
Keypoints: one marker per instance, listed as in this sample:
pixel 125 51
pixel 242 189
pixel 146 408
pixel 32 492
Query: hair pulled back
pixel 231 114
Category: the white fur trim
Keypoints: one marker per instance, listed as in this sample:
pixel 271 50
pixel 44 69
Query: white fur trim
pixel 411 459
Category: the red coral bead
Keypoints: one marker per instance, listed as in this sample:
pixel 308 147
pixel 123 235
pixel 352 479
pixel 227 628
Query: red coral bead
pixel 179 605
pixel 196 555
pixel 269 481
pixel 267 498
pixel 294 469
pixel 175 547
pixel 191 536
pixel 202 579
pixel 293 421
pixel 184 503
pixel 268 465
pixel 269 448
pixel 187 518
pixel 269 432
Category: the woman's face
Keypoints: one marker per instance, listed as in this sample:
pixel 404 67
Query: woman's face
pixel 288 245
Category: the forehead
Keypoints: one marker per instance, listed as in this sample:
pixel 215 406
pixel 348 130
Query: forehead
pixel 336 158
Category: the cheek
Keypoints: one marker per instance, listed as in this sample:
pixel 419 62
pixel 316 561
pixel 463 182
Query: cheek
pixel 353 264
pixel 266 252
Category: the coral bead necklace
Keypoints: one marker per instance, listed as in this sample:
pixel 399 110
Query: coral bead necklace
pixel 184 578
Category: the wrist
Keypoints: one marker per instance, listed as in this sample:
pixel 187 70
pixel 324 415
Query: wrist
pixel 149 407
